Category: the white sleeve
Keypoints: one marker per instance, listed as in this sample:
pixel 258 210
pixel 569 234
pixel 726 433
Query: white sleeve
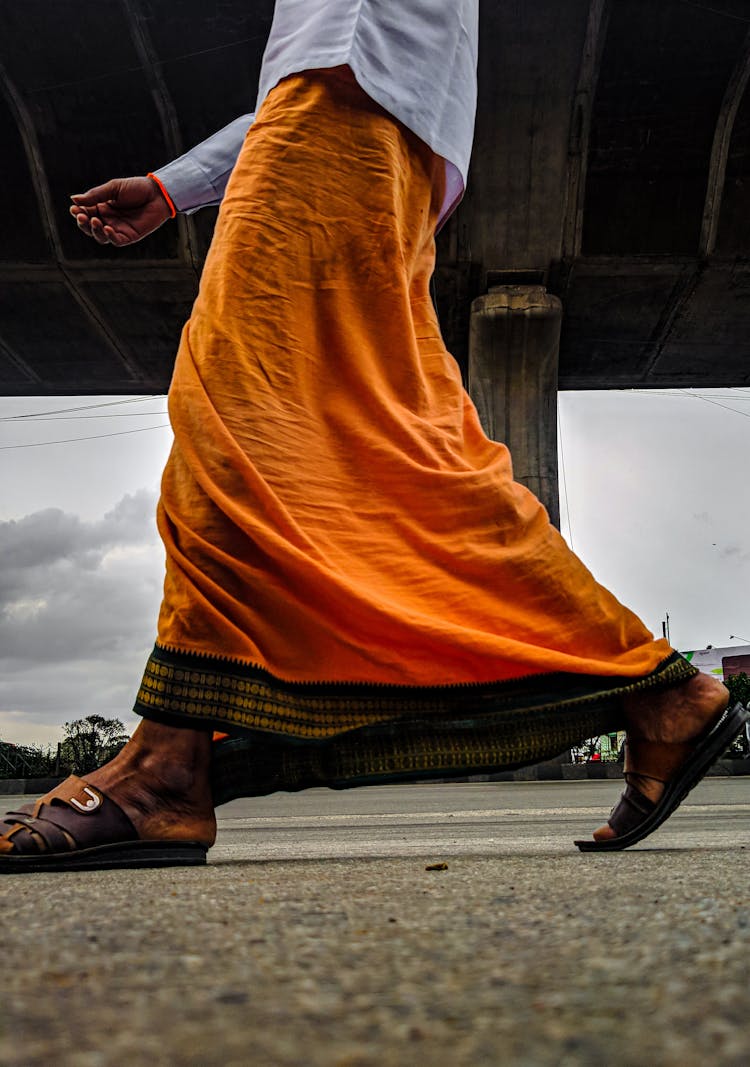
pixel 198 179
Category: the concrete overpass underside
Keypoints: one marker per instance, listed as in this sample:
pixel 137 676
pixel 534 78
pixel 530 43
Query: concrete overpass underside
pixel 611 170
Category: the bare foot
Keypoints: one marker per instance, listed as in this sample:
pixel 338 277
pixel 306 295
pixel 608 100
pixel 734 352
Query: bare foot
pixel 674 716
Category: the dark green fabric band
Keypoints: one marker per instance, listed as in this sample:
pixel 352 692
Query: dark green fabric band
pixel 294 735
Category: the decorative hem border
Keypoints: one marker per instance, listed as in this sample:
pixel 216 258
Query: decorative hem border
pixel 200 691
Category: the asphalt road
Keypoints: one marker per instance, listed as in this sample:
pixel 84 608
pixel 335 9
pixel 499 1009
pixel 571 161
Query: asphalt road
pixel 487 819
pixel 317 936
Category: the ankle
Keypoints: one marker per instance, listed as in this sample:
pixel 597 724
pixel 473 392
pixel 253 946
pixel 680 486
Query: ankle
pixel 680 713
pixel 177 758
pixel 160 766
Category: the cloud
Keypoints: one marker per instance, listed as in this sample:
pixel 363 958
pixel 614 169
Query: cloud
pixel 654 491
pixel 736 553
pixel 78 606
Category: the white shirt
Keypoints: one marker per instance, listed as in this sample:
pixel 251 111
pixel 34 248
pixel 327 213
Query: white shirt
pixel 416 58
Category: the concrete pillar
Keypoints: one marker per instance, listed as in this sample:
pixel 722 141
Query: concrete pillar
pixel 514 344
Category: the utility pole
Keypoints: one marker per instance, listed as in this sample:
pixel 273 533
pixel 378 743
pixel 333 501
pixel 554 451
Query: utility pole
pixel 665 627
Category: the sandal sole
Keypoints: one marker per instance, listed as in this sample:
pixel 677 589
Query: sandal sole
pixel 133 854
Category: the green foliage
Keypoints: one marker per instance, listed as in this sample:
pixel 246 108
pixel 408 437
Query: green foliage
pixel 739 691
pixel 87 744
pixel 739 688
pixel 90 742
pixel 26 761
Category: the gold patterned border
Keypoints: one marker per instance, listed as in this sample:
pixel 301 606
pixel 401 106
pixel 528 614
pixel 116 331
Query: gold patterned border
pixel 222 693
pixel 254 705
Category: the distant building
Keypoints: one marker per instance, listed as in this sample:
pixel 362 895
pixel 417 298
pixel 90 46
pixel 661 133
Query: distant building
pixel 721 662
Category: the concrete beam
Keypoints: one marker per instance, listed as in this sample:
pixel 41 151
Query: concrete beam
pixel 735 91
pixel 580 126
pixel 167 112
pixel 24 369
pixel 38 177
pixel 513 358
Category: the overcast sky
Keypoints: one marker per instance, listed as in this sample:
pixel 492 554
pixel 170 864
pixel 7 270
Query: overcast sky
pixel 653 498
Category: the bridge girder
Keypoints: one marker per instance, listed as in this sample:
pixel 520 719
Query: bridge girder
pixel 611 163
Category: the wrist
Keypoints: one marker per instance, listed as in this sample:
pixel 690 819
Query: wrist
pixel 167 198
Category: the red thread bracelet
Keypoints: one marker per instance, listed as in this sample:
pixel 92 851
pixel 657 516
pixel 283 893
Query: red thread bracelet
pixel 164 193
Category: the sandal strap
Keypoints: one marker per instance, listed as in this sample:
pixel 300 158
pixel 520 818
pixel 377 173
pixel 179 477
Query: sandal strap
pixel 23 840
pixel 74 815
pixel 630 811
pixel 45 835
pixel 656 759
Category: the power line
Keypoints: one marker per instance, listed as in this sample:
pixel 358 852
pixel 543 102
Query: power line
pixel 84 407
pixel 96 437
pixel 107 415
pixel 690 394
pixel 706 400
pixel 698 396
pixel 715 10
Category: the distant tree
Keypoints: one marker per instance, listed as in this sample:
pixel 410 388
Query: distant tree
pixel 41 760
pixel 739 688
pixel 90 742
pixel 26 761
pixel 739 691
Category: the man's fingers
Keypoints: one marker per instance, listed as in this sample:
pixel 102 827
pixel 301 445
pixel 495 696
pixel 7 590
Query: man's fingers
pixel 114 237
pixel 100 208
pixel 97 232
pixel 105 234
pixel 84 223
pixel 100 229
pixel 99 194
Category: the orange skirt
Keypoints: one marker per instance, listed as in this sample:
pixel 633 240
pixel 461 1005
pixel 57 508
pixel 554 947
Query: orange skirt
pixel 337 525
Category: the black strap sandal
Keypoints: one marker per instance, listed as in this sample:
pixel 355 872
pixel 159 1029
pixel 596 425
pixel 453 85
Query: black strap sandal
pixel 635 816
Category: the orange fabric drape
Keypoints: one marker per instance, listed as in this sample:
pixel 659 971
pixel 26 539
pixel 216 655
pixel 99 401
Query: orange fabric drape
pixel 332 510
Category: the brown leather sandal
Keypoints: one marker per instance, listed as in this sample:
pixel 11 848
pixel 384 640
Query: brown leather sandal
pixel 75 827
pixel 679 766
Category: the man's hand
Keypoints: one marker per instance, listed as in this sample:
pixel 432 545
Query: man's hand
pixel 121 211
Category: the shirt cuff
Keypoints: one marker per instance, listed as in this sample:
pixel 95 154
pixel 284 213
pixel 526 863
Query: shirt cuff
pixel 187 184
